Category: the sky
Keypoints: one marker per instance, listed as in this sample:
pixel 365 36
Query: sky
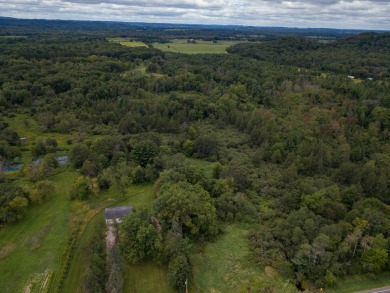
pixel 351 14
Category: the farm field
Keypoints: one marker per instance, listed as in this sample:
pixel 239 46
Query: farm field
pixel 127 42
pixel 30 250
pixel 200 47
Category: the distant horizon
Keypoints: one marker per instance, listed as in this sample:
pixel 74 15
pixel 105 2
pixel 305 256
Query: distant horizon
pixel 198 24
pixel 332 14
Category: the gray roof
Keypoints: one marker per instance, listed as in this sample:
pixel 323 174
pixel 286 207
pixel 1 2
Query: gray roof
pixel 118 212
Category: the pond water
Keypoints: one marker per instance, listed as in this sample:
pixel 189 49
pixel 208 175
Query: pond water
pixel 13 167
pixel 62 160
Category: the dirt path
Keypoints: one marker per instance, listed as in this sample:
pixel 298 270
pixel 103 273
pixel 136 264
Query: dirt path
pixel 110 237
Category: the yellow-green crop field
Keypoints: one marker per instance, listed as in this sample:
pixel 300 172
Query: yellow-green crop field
pixel 199 47
pixel 127 42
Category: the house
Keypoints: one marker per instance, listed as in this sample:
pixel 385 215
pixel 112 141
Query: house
pixel 62 160
pixel 113 215
pixel 23 140
pixel 351 77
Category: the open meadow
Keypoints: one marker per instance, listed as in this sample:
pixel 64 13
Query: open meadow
pixel 198 47
pixel 226 266
pixel 360 283
pixel 127 42
pixel 28 128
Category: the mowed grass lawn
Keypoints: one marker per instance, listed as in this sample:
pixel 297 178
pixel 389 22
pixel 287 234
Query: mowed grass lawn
pixel 30 250
pixel 147 278
pixel 200 47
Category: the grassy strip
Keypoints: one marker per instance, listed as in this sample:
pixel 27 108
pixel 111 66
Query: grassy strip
pixel 360 283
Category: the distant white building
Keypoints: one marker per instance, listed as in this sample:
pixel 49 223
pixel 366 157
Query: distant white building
pixel 351 77
pixel 115 215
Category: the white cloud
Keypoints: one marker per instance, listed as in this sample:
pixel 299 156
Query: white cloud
pixel 360 14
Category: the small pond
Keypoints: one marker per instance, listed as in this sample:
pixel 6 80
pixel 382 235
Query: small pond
pixel 62 160
pixel 12 167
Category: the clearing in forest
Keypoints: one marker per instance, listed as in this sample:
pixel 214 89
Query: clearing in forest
pixel 226 266
pixel 127 42
pixel 195 47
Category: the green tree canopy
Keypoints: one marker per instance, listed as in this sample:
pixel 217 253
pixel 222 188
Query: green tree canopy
pixel 138 237
pixel 188 206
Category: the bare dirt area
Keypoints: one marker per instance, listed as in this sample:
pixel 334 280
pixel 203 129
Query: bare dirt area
pixel 7 250
pixel 37 282
pixel 110 237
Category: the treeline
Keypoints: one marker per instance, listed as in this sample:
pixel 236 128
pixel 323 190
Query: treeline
pixel 104 266
pixel 149 32
pixel 9 143
pixel 15 200
pixel 363 55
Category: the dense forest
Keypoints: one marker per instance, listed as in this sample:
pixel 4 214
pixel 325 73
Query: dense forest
pixel 298 129
pixel 152 32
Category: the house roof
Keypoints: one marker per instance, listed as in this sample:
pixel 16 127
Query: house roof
pixel 118 212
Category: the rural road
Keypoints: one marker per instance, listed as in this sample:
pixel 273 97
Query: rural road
pixel 378 290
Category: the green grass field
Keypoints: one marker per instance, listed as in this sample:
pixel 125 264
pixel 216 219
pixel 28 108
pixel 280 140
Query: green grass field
pixel 30 250
pixel 200 47
pixel 202 164
pixel 147 278
pixel 360 283
pixel 127 42
pixel 27 127
pixel 225 266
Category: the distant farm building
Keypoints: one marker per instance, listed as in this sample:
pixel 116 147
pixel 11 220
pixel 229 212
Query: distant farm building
pixel 351 77
pixel 62 160
pixel 115 215
pixel 23 140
